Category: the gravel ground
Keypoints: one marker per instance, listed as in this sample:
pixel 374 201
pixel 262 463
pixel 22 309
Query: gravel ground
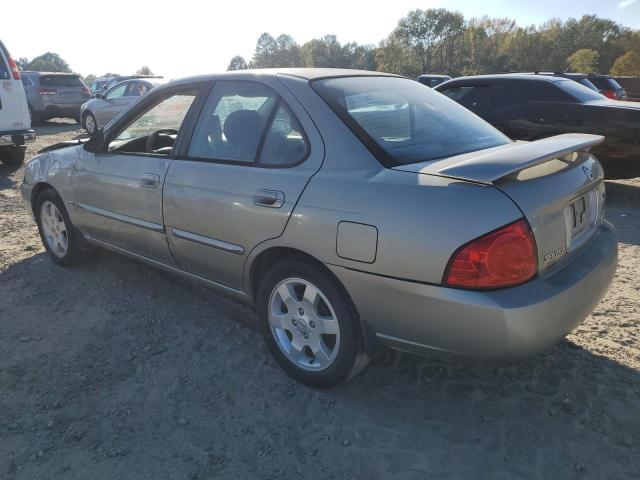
pixel 113 370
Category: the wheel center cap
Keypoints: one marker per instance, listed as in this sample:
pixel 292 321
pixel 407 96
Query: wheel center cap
pixel 302 325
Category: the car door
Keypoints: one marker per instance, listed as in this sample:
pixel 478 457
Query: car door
pixel 118 188
pixel 253 150
pixel 113 102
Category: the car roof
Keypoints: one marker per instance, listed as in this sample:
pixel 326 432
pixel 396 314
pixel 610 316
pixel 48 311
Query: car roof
pixel 500 77
pixel 429 75
pixel 304 73
pixel 571 75
pixel 59 74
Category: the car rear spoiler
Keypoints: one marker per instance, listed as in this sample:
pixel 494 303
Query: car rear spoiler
pixel 496 164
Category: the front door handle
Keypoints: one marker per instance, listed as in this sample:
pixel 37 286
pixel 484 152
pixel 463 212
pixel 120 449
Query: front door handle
pixel 269 198
pixel 149 180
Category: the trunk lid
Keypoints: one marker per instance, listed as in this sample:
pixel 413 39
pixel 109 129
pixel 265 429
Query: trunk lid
pixel 555 182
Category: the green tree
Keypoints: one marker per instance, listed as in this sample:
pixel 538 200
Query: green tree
pixel 627 64
pixel 393 56
pixel 584 60
pixel 47 62
pixel 264 55
pixel 144 70
pixel 237 63
pixel 425 31
pixel 287 52
pixel 89 79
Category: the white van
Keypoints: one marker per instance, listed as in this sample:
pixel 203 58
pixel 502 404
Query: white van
pixel 15 123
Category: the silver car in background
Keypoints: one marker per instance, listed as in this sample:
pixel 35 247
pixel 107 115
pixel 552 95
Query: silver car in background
pixel 352 209
pixel 99 111
pixel 53 95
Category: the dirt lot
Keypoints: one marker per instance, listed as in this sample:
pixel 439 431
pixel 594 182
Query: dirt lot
pixel 113 370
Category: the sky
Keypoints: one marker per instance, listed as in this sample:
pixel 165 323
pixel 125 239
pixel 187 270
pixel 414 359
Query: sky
pixel 189 37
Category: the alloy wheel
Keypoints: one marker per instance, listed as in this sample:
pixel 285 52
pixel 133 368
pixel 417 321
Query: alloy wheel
pixel 54 229
pixel 304 324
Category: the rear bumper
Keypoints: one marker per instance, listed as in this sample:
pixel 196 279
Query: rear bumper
pixel 60 110
pixel 501 324
pixel 18 137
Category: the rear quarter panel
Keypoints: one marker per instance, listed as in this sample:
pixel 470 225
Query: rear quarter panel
pixel 421 219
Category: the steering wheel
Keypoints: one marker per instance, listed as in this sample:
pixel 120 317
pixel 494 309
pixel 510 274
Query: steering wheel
pixel 151 141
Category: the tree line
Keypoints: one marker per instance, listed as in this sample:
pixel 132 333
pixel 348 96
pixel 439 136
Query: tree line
pixel 444 42
pixel 53 62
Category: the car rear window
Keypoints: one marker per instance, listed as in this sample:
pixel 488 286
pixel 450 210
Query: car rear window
pixel 588 84
pixel 605 83
pixel 402 122
pixel 579 91
pixel 61 81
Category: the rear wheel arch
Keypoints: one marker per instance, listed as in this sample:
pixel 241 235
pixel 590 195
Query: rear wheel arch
pixel 274 255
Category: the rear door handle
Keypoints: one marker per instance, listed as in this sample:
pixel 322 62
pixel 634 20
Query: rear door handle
pixel 269 198
pixel 149 180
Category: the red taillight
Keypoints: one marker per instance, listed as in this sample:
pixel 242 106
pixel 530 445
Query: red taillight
pixel 610 94
pixel 502 258
pixel 85 90
pixel 14 69
pixel 47 91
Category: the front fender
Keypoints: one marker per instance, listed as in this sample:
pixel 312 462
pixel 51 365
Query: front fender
pixel 55 168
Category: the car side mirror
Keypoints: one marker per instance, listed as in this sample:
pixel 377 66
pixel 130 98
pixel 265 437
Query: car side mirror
pixel 96 142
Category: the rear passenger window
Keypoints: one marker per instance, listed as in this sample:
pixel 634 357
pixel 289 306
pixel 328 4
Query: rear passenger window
pixel 285 143
pixel 238 124
pixel 543 91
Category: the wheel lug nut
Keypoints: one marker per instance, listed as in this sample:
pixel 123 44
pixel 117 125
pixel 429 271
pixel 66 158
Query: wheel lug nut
pixel 305 335
pixel 301 311
pixel 294 322
pixel 312 324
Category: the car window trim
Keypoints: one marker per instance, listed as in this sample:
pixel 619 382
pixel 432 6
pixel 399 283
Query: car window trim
pixel 142 107
pixel 183 154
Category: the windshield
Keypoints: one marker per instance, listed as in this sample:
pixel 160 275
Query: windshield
pixel 579 91
pixel 402 122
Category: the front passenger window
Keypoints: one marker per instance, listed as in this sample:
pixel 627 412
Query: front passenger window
pixel 165 117
pixel 116 92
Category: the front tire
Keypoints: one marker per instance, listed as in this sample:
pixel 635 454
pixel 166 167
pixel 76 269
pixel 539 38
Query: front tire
pixel 309 324
pixel 89 123
pixel 63 243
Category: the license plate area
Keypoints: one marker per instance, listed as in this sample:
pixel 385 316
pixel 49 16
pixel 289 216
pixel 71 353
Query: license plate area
pixel 581 217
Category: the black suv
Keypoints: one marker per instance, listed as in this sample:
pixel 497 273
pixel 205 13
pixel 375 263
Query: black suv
pixel 530 107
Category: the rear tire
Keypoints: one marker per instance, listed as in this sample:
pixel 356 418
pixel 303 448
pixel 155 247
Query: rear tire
pixel 309 324
pixel 36 118
pixel 89 123
pixel 13 156
pixel 64 244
